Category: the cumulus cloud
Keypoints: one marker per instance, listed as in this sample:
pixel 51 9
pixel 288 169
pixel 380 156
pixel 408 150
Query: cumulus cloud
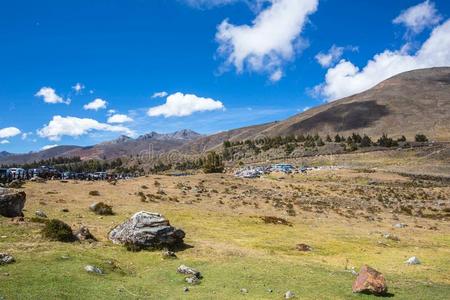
pixel 160 94
pixel 271 39
pixel 9 132
pixel 276 75
pixel 332 56
pixel 78 87
pixel 209 3
pixel 49 95
pixel 346 78
pixel 49 147
pixel 119 118
pixel 72 126
pixel 96 104
pixel 181 105
pixel 417 18
pixel 4 142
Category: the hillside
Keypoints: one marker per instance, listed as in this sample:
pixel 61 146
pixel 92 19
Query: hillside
pixel 412 102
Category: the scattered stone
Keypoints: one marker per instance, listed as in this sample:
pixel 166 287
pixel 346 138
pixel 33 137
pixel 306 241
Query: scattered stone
pixel 147 230
pixel 65 210
pixel 101 208
pixel 189 271
pixel 11 203
pixel 16 184
pixel 167 254
pixel 275 220
pixel 289 295
pixel 400 225
pixel 303 247
pixel 370 281
pixel 93 269
pixel 38 179
pixel 392 237
pixel 192 280
pixel 5 259
pixel 269 290
pixel 185 289
pixel 40 214
pixel 83 234
pixel 244 291
pixel 413 261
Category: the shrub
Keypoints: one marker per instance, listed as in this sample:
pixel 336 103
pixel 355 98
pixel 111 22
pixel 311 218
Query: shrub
pixel 94 193
pixel 57 230
pixel 102 209
pixel 421 138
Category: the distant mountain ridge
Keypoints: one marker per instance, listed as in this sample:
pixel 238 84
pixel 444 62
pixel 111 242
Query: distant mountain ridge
pixel 152 142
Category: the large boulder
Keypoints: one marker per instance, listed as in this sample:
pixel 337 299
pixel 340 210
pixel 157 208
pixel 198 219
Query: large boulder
pixel 11 203
pixel 370 281
pixel 146 230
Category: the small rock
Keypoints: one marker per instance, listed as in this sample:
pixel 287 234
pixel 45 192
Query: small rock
pixel 303 247
pixel 65 210
pixel 167 254
pixel 6 274
pixel 370 281
pixel 188 271
pixel 413 261
pixel 400 225
pixel 269 290
pixel 185 289
pixel 289 295
pixel 244 291
pixel 5 259
pixel 83 234
pixel 40 214
pixel 192 280
pixel 93 269
pixel 391 237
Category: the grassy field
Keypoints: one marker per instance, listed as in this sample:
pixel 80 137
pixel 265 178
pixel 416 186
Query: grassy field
pixel 229 242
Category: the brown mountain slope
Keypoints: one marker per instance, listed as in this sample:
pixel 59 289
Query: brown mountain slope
pixel 406 104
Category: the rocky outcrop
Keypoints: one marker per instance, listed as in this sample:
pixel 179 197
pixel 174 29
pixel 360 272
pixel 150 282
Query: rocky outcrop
pixel 11 203
pixel 146 230
pixel 370 281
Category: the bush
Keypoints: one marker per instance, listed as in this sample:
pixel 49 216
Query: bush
pixel 57 230
pixel 102 209
pixel 421 138
pixel 94 193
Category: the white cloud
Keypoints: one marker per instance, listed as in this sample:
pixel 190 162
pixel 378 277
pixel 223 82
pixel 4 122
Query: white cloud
pixel 419 17
pixel 271 39
pixel 160 94
pixel 96 104
pixel 276 76
pixel 71 126
pixel 119 118
pixel 329 58
pixel 4 142
pixel 49 95
pixel 78 87
pixel 9 132
pixel 49 147
pixel 346 79
pixel 306 108
pixel 180 105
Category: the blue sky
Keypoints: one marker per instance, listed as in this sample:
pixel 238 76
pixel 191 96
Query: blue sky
pixel 216 64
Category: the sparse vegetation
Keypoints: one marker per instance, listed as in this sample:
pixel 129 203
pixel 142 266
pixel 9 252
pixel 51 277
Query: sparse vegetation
pixel 57 230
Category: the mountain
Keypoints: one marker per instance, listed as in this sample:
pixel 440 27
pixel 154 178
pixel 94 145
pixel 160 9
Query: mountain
pixel 149 144
pixel 406 104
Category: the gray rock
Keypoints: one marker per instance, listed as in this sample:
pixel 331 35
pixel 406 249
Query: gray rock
pixel 11 203
pixel 192 280
pixel 93 269
pixel 189 271
pixel 5 259
pixel 391 237
pixel 40 214
pixel 147 230
pixel 185 289
pixel 244 291
pixel 83 234
pixel 289 295
pixel 400 225
pixel 413 261
pixel 167 254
